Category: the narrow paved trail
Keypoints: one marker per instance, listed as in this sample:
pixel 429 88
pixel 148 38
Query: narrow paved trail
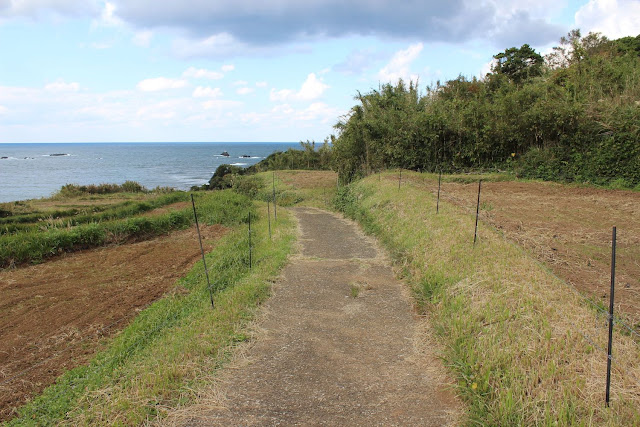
pixel 338 344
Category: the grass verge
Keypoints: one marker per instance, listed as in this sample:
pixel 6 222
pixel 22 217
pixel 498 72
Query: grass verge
pixel 169 351
pixel 525 349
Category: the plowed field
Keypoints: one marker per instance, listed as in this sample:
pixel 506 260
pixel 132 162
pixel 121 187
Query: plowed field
pixel 53 315
pixel 566 227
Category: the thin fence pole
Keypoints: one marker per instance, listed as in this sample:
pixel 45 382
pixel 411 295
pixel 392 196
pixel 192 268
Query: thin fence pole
pixel 438 201
pixel 475 234
pixel 400 179
pixel 269 216
pixel 204 261
pixel 275 205
pixel 611 298
pixel 250 249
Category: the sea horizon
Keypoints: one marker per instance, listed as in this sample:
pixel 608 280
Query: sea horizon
pixel 30 170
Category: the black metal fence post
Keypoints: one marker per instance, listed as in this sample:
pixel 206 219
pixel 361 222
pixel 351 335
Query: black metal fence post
pixel 438 201
pixel 400 179
pixel 475 234
pixel 204 261
pixel 269 216
pixel 250 249
pixel 275 205
pixel 611 298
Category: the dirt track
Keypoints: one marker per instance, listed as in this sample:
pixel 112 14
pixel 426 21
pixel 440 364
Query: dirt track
pixel 52 315
pixel 338 345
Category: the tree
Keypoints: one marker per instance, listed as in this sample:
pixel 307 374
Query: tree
pixel 519 64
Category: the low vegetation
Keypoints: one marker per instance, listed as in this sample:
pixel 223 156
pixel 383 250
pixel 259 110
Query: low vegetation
pixel 515 337
pixel 72 217
pixel 173 348
pixel 33 244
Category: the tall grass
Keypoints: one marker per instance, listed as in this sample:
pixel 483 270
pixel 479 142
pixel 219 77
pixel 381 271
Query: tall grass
pixel 513 333
pixel 169 352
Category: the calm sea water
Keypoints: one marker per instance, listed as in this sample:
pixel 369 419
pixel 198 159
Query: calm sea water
pixel 30 171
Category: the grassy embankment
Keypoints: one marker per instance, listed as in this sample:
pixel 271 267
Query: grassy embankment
pixel 510 329
pixel 173 348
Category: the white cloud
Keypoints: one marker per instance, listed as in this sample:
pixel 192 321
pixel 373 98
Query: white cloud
pixel 228 68
pixel 487 68
pixel 142 38
pixel 217 45
pixel 244 91
pixel 160 83
pixel 60 86
pixel 613 18
pixel 39 8
pixel 201 73
pixel 261 84
pixel 3 109
pixel 280 95
pixel 240 83
pixel 311 89
pixel 319 111
pixel 398 67
pixel 282 109
pixel 207 92
pixel 108 17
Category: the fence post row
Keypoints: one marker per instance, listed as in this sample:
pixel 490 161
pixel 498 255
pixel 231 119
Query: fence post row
pixel 611 298
pixel 204 261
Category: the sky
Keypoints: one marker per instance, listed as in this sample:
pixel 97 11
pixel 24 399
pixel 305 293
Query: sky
pixel 250 70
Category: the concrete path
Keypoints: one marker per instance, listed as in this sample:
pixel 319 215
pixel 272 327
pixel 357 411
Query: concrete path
pixel 338 345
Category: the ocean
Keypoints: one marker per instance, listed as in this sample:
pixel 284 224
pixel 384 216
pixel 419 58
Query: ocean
pixel 29 171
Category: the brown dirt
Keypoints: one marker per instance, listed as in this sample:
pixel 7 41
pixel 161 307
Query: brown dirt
pixel 568 228
pixel 53 315
pixel 338 345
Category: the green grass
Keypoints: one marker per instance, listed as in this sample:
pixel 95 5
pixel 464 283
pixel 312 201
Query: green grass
pixel 171 350
pixel 34 246
pixel 509 329
pixel 73 217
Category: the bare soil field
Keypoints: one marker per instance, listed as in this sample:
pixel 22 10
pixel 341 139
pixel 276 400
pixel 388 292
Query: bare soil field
pixel 566 227
pixel 53 315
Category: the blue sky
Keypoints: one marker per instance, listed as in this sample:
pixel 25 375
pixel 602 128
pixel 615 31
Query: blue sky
pixel 248 70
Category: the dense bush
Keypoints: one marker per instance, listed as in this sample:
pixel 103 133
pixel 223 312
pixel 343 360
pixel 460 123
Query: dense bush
pixel 574 118
pixel 73 190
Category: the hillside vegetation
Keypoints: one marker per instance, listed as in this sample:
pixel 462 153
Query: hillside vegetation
pixel 571 116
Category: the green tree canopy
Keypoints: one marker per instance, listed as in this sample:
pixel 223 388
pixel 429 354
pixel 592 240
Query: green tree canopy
pixel 519 64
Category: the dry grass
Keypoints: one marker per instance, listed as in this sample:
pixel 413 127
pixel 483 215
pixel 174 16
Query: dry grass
pixel 524 347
